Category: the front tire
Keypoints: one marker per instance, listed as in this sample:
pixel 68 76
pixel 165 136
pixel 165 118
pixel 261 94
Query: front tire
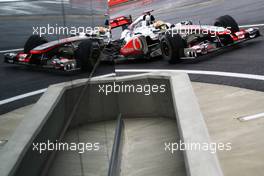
pixel 32 42
pixel 227 21
pixel 86 56
pixel 172 47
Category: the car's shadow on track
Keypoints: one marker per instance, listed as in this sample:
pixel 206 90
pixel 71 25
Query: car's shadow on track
pixel 21 69
pixel 138 61
pixel 31 70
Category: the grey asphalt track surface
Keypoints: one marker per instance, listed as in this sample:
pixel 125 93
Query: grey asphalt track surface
pixel 246 58
pixel 17 21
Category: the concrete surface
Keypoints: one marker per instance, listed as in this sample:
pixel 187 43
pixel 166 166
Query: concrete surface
pixel 192 129
pixel 53 114
pixel 144 150
pixel 221 105
pixel 10 121
pixel 92 163
pixel 246 156
pixel 39 126
pixel 43 124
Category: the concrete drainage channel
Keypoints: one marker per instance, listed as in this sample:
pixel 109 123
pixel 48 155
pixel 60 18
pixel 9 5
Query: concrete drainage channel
pixel 115 161
pixel 132 144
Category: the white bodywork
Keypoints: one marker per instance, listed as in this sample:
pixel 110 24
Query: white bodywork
pixel 140 27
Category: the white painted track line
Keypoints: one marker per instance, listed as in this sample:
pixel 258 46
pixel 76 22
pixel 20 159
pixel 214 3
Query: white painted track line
pixel 11 0
pixel 105 76
pixel 252 25
pixel 198 72
pixel 11 50
pixel 252 117
pixel 19 97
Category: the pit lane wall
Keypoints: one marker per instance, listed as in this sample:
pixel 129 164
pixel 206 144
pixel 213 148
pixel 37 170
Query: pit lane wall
pixel 52 115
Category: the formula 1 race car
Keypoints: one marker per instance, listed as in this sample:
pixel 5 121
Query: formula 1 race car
pixel 147 38
pixel 79 52
pixel 143 38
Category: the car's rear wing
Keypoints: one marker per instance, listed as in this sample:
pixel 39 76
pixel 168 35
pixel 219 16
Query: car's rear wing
pixel 120 21
pixel 116 2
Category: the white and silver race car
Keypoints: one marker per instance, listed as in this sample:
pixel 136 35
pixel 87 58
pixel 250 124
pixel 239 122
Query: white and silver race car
pixel 146 37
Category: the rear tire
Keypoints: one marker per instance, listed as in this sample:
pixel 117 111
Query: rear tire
pixel 227 21
pixel 172 47
pixel 85 56
pixel 32 42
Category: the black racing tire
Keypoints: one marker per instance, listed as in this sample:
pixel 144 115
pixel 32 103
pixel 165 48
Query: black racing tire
pixel 83 56
pixel 227 21
pixel 34 41
pixel 172 47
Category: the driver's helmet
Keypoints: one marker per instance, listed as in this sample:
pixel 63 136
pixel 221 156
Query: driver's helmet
pixel 160 25
pixel 102 30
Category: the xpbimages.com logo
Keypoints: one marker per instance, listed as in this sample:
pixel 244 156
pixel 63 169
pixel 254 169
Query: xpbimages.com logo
pixel 62 30
pixel 145 89
pixel 173 147
pixel 184 30
pixel 64 146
